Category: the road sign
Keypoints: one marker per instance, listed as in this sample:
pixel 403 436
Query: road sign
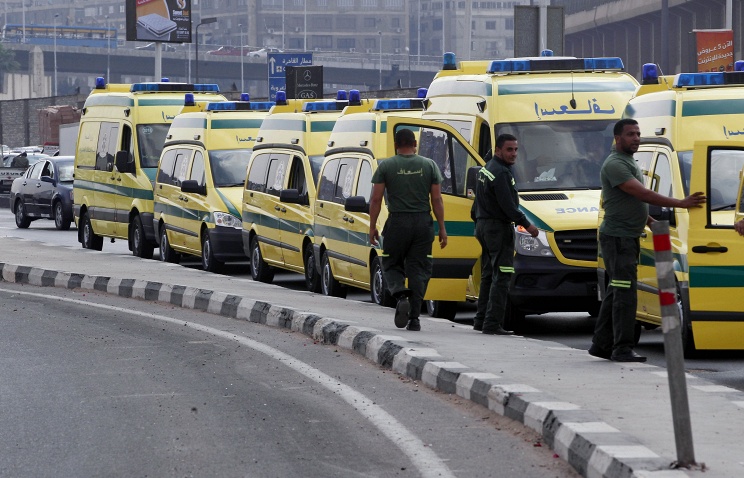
pixel 305 82
pixel 277 63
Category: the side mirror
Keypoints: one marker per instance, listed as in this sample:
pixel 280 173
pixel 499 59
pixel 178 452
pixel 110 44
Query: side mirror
pixel 47 179
pixel 193 186
pixel 471 179
pixel 356 204
pixel 123 165
pixel 290 196
pixel 662 214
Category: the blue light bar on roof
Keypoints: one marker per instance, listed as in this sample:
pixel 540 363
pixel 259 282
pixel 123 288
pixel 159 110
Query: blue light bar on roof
pixel 332 105
pixel 546 52
pixel 341 95
pixel 100 83
pixel 450 61
pixel 240 106
pixel 739 65
pixel 245 97
pixel 281 97
pixel 552 64
pixel 650 74
pixel 173 87
pixel 355 97
pixel 422 92
pixel 399 104
pixel 188 99
pixel 698 79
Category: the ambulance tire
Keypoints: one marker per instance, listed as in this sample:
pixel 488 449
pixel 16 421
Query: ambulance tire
pixel 260 270
pixel 688 340
pixel 167 253
pixel 441 309
pixel 22 221
pixel 141 247
pixel 89 239
pixel 209 262
pixel 329 285
pixel 378 286
pixel 312 278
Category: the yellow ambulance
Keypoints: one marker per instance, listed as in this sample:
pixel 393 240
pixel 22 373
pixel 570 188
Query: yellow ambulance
pixel 281 183
pixel 674 114
pixel 199 185
pixel 358 142
pixel 562 111
pixel 122 131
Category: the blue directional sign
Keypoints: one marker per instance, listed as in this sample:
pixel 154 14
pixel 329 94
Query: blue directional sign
pixel 277 63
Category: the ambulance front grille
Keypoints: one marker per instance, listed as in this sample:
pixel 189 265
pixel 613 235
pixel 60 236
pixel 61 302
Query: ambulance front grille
pixel 579 245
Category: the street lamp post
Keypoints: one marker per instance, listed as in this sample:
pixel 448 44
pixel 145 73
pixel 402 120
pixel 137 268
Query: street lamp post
pixel 408 52
pixel 55 53
pixel 108 51
pixel 380 33
pixel 205 21
pixel 242 84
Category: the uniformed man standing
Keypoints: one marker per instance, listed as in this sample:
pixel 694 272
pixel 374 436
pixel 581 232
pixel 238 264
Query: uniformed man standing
pixel 496 211
pixel 413 186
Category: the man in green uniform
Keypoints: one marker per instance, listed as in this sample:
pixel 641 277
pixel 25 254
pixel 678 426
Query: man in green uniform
pixel 496 210
pixel 413 190
pixel 625 201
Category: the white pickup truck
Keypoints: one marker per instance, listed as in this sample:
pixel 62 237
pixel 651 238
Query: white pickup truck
pixel 13 167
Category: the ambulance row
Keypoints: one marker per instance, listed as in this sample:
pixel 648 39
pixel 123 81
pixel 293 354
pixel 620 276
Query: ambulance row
pixel 178 167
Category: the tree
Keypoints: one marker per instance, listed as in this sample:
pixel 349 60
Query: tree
pixel 8 64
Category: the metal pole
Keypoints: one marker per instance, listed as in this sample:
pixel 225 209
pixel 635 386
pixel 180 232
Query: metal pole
pixel 158 60
pixel 305 26
pixel 204 21
pixel 664 35
pixel 380 33
pixel 108 51
pixel 23 4
pixel 729 14
pixel 418 32
pixel 242 83
pixel 671 327
pixel 55 54
pixel 284 46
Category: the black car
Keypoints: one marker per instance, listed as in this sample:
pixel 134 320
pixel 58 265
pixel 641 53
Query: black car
pixel 44 191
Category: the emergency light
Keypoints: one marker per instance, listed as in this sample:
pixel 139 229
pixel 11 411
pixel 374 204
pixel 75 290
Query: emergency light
pixel 174 87
pixel 554 64
pixel 245 97
pixel 341 102
pixel 683 80
pixel 399 104
pixel 240 106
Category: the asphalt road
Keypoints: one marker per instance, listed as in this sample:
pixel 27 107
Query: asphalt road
pixel 571 329
pixel 98 385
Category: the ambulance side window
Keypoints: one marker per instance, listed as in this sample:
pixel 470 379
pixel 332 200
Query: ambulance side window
pixel 197 169
pixel 127 142
pixel 364 184
pixel 165 173
pixel 484 141
pixel 257 175
pixel 107 141
pixel 297 176
pixel 182 166
pixel 662 178
pixel 723 178
pixel 328 180
pixel 450 156
pixel 643 160
pixel 345 181
pixel 277 172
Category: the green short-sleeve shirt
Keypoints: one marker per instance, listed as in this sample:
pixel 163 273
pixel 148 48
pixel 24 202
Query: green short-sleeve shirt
pixel 625 215
pixel 408 180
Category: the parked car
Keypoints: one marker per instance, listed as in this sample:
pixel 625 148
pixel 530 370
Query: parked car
pixel 44 191
pixel 227 51
pixel 14 166
pixel 264 52
pixel 151 46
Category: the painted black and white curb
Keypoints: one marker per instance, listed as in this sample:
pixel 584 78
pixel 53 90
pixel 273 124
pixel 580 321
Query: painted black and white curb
pixel 592 447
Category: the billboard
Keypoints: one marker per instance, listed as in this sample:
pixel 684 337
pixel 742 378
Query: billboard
pixel 159 20
pixel 715 50
pixel 305 82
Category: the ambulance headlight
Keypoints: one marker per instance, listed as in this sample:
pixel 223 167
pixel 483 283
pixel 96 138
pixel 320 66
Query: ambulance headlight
pixel 527 245
pixel 224 219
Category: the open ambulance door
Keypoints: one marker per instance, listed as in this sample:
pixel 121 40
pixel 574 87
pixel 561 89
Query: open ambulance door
pixel 454 156
pixel 715 251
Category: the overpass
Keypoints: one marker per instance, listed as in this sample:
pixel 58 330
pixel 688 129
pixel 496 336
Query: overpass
pixel 638 32
pixel 341 71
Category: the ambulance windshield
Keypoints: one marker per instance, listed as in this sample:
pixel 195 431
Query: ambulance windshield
pixel 150 138
pixel 559 155
pixel 229 167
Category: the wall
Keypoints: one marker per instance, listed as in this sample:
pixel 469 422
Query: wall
pixel 19 119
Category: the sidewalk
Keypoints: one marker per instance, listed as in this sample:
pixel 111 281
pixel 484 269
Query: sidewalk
pixel 606 419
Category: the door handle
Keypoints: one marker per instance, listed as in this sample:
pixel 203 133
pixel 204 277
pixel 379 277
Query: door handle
pixel 704 249
pixel 644 235
pixel 24 183
pixel 277 208
pixel 351 220
pixel 284 209
pixel 346 218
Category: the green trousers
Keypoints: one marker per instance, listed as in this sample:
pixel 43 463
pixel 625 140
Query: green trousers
pixel 497 266
pixel 407 241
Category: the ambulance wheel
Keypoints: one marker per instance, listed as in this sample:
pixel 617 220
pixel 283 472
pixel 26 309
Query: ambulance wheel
pixel 138 241
pixel 378 286
pixel 167 253
pixel 688 340
pixel 441 309
pixel 260 270
pixel 329 285
pixel 209 262
pixel 312 278
pixel 22 221
pixel 90 240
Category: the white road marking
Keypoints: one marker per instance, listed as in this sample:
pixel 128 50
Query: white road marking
pixel 423 458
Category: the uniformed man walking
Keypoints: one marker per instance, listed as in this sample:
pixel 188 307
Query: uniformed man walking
pixel 496 210
pixel 413 186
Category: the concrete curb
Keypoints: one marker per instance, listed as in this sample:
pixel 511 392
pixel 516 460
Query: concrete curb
pixel 592 447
